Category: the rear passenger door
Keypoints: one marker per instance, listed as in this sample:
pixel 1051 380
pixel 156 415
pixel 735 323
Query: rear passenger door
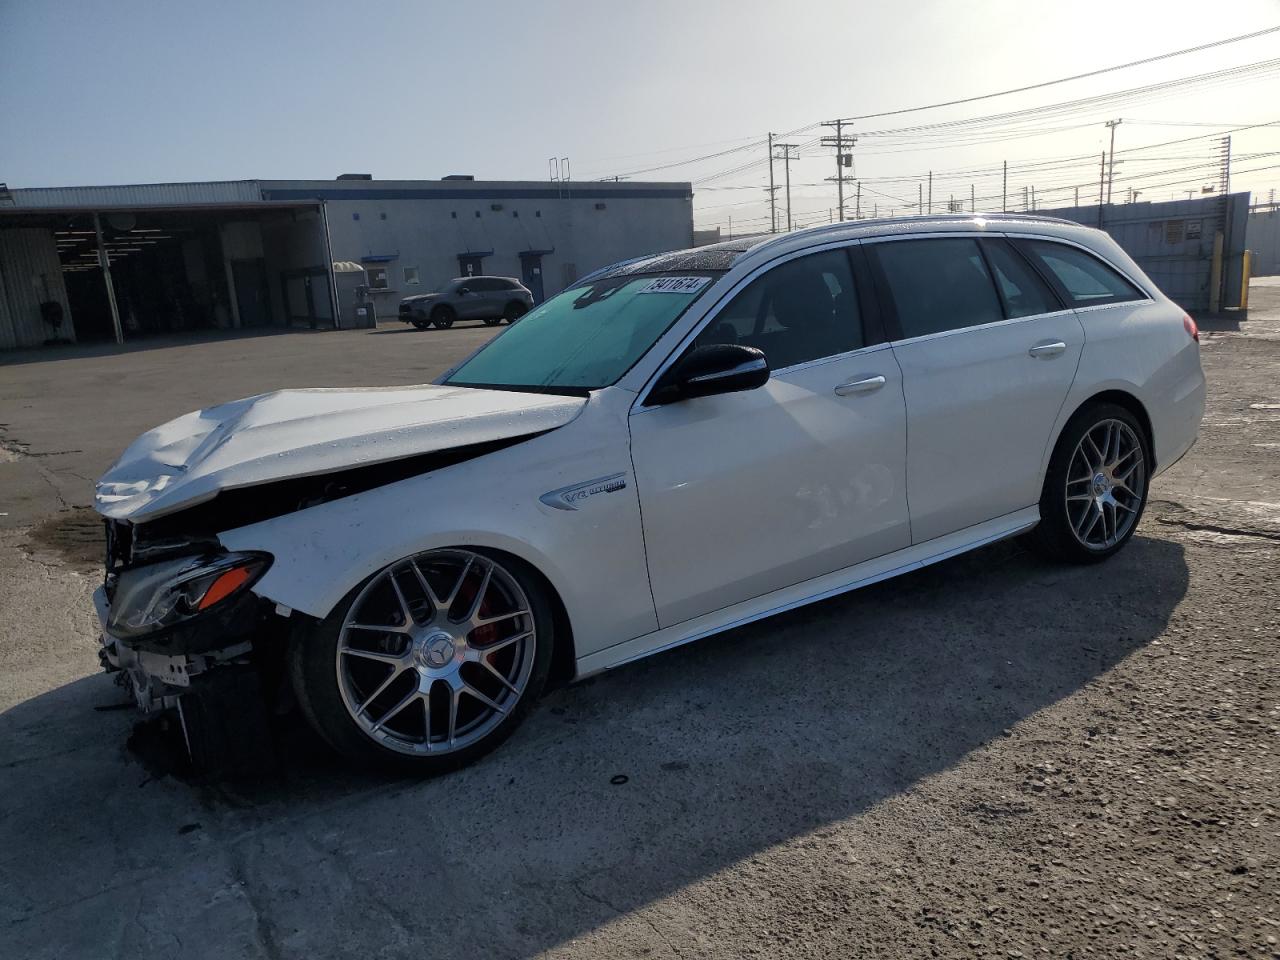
pixel 988 353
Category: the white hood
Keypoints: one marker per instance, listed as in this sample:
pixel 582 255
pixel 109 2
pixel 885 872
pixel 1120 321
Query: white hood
pixel 297 433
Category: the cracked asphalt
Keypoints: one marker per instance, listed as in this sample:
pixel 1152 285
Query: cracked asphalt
pixel 994 757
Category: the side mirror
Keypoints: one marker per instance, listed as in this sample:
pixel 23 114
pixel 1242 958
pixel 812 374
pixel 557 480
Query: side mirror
pixel 712 369
pixel 463 291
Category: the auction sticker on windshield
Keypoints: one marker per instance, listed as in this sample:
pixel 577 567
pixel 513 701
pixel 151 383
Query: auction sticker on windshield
pixel 675 285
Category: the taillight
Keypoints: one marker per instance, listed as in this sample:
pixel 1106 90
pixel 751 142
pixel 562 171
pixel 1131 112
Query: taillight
pixel 1189 325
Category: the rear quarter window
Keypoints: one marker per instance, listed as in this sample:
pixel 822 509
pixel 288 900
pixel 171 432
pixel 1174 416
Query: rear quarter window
pixel 1082 278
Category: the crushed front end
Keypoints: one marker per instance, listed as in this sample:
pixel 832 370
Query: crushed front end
pixel 180 624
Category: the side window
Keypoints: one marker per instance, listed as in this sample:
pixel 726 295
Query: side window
pixel 1085 279
pixel 937 284
pixel 1024 294
pixel 801 310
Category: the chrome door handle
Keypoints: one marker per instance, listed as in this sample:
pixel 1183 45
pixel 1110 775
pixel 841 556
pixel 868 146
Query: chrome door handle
pixel 1046 350
pixel 865 385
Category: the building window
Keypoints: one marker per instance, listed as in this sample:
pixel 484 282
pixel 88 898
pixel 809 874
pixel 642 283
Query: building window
pixel 537 213
pixel 382 216
pixel 377 277
pixel 454 214
pixel 355 216
pixel 411 275
pixel 477 214
pixel 515 213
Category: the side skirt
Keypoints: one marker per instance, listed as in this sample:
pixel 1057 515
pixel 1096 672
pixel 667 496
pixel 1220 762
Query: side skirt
pixel 810 591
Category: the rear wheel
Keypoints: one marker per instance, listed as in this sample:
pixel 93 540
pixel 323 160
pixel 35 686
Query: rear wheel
pixel 514 311
pixel 1096 486
pixel 443 317
pixel 430 663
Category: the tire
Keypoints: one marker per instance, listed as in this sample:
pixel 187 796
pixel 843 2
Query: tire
pixel 514 311
pixel 337 665
pixel 443 317
pixel 492 321
pixel 422 324
pixel 1093 498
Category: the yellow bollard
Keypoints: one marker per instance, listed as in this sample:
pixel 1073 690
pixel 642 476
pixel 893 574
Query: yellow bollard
pixel 1244 279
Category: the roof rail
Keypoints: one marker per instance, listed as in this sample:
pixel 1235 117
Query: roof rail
pixel 918 218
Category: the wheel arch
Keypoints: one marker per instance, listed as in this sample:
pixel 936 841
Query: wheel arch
pixel 1121 396
pixel 321 605
pixel 1130 402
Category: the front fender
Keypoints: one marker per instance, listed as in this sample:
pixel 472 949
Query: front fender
pixel 592 555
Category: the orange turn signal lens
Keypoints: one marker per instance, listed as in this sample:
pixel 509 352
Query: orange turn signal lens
pixel 1190 326
pixel 224 586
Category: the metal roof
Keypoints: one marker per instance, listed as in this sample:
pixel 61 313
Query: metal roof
pixel 139 195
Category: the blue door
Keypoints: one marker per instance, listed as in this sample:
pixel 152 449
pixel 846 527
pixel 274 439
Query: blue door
pixel 531 274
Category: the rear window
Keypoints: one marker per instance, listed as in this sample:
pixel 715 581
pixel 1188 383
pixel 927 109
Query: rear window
pixel 1083 278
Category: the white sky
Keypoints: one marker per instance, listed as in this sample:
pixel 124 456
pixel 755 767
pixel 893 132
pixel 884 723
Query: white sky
pixel 137 92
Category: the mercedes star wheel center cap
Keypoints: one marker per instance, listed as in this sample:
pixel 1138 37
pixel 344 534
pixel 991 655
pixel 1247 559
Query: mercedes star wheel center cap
pixel 436 651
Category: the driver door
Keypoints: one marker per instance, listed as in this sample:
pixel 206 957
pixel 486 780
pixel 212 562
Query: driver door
pixel 746 493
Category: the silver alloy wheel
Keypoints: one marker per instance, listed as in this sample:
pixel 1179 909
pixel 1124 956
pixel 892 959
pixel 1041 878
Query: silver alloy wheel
pixel 436 651
pixel 1105 484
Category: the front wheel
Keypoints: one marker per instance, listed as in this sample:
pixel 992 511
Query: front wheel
pixel 492 321
pixel 421 324
pixel 1096 487
pixel 430 663
pixel 443 317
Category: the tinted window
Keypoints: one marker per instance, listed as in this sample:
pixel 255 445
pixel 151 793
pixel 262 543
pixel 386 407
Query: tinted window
pixel 1085 278
pixel 1024 294
pixel 801 310
pixel 937 284
pixel 586 337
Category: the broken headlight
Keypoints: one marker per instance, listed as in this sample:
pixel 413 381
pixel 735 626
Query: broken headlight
pixel 152 598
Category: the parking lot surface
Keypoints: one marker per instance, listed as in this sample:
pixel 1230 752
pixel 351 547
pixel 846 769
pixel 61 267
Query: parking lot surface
pixel 993 757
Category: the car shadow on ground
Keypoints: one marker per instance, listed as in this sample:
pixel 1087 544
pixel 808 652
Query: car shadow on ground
pixel 618 792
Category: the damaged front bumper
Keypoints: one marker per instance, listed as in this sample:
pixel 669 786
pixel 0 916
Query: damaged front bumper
pixel 156 678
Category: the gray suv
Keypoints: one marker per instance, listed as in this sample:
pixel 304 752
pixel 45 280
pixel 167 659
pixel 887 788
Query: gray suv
pixel 491 299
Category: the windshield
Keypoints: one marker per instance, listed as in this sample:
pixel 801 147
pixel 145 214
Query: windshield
pixel 585 338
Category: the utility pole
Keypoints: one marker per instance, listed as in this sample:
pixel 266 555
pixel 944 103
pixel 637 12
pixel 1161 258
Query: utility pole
pixel 1102 176
pixel 920 199
pixel 857 209
pixel 930 191
pixel 843 159
pixel 1111 154
pixel 1026 203
pixel 1033 198
pixel 972 201
pixel 1077 196
pixel 787 157
pixel 773 191
pixel 1004 189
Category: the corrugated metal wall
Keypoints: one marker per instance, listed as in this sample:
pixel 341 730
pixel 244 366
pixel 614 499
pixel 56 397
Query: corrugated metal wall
pixel 1173 241
pixel 1264 241
pixel 29 274
pixel 140 194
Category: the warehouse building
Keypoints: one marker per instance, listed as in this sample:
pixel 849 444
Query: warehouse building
pixel 97 263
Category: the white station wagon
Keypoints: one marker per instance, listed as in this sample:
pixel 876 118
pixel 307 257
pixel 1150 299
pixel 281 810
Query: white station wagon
pixel 675 446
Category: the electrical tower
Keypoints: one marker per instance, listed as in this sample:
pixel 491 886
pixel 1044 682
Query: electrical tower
pixel 844 160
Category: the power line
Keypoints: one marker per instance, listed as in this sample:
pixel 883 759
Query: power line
pixel 1078 76
pixel 753 144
